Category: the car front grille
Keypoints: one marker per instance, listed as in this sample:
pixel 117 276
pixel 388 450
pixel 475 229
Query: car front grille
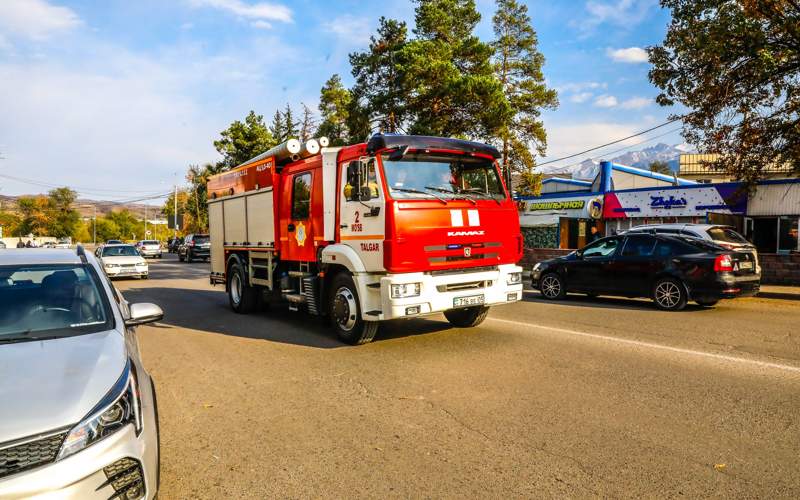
pixel 126 478
pixel 31 452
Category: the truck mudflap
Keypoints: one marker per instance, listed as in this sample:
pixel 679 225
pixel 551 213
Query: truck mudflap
pixel 420 294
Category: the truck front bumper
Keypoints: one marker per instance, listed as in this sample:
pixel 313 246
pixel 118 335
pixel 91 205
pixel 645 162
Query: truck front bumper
pixel 442 292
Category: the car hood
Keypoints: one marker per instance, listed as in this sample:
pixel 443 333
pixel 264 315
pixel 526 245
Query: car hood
pixel 49 384
pixel 123 260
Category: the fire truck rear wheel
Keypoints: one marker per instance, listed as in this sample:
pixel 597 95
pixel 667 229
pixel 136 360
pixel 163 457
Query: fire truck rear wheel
pixel 243 298
pixel 467 318
pixel 345 312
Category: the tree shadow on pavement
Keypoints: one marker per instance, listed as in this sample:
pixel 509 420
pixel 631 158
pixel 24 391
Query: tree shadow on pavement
pixel 208 311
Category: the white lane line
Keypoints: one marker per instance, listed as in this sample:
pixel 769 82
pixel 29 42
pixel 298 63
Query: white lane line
pixel 649 345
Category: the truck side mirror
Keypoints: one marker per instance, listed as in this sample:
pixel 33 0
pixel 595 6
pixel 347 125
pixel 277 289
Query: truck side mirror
pixel 354 179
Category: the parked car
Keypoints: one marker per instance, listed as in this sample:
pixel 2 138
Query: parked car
pixel 724 236
pixel 149 248
pixel 174 244
pixel 2 245
pixel 63 243
pixel 122 260
pixel 78 417
pixel 195 246
pixel 671 270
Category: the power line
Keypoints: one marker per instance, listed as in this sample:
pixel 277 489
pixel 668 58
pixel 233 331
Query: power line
pixel 610 143
pixel 96 191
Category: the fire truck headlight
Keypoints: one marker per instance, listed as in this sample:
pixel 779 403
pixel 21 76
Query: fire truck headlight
pixel 406 290
pixel 514 278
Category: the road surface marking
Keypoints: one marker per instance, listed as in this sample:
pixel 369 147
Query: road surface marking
pixel 639 343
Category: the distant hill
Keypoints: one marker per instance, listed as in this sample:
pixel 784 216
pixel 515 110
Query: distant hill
pixel 588 168
pixel 85 207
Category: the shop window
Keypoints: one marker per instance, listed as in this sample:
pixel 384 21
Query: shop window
pixel 787 234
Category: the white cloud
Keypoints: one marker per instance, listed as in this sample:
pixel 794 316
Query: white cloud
pixel 35 19
pixel 575 87
pixel 631 55
pixel 606 101
pixel 581 97
pixel 636 103
pixel 623 13
pixel 259 10
pixel 261 24
pixel 349 28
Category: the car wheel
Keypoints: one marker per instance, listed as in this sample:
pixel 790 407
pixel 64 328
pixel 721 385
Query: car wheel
pixel 242 297
pixel 707 303
pixel 189 257
pixel 468 317
pixel 145 276
pixel 180 258
pixel 345 312
pixel 552 286
pixel 669 294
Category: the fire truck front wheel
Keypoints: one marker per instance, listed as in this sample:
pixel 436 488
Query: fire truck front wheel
pixel 345 312
pixel 467 318
pixel 243 298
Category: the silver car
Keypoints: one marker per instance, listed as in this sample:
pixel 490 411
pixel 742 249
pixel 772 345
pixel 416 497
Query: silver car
pixel 149 248
pixel 78 415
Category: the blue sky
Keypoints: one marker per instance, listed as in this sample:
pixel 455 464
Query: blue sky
pixel 116 98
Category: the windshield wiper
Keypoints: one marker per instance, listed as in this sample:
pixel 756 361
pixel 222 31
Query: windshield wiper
pixel 482 192
pixel 463 196
pixel 412 190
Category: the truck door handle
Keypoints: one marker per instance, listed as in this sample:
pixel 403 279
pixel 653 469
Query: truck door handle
pixel 290 228
pixel 343 226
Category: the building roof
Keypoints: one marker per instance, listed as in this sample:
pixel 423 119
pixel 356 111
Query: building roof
pixel 653 175
pixel 572 182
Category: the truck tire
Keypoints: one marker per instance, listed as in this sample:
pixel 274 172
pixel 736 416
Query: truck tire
pixel 345 312
pixel 242 297
pixel 468 317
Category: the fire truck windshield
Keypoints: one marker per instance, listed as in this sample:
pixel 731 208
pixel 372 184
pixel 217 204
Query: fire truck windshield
pixel 424 176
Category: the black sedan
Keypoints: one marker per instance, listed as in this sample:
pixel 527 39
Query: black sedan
pixel 671 270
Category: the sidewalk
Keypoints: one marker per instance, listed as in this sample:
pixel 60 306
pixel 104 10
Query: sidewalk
pixel 780 292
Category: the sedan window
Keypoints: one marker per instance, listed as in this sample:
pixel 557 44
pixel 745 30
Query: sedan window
pixel 638 246
pixel 602 248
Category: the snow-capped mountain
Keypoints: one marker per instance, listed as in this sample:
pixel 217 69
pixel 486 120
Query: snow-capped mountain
pixel 589 167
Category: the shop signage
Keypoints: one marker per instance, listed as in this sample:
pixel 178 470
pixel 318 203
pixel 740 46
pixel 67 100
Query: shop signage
pixel 596 208
pixel 557 205
pixel 667 202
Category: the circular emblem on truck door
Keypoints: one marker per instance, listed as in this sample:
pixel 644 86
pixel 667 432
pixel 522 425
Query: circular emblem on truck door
pixel 300 234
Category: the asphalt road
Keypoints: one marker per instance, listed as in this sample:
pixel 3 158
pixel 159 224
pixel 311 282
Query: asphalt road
pixel 581 398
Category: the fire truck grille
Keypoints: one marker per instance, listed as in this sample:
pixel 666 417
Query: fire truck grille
pixel 458 287
pixel 30 454
pixel 461 258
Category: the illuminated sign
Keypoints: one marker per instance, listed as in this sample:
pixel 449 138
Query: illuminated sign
pixel 557 205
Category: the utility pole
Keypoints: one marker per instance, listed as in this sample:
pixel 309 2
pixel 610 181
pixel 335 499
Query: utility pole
pixel 145 221
pixel 175 212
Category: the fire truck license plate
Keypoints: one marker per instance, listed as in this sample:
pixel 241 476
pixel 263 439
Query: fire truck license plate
pixel 472 300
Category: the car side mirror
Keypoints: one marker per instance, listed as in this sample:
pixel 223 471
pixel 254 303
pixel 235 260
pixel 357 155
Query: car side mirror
pixel 144 313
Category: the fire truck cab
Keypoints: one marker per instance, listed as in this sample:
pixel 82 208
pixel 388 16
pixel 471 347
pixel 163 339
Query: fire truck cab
pixel 398 227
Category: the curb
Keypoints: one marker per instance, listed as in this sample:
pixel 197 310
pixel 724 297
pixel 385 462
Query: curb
pixel 778 295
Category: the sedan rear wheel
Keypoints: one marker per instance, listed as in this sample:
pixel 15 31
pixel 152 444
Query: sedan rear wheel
pixel 552 286
pixel 669 294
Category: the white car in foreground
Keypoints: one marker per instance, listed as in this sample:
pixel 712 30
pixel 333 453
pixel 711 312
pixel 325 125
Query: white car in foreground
pixel 122 260
pixel 78 414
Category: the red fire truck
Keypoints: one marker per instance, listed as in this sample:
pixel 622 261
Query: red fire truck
pixel 399 227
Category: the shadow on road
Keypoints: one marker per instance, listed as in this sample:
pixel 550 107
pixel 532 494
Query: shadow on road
pixel 580 300
pixel 208 311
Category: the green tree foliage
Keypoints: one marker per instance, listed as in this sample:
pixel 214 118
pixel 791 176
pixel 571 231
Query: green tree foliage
pixel 290 124
pixel 518 65
pixel 380 82
pixel 9 221
pixel 63 219
pixel 195 219
pixel 660 167
pixel 244 140
pixel 278 127
pixel 736 65
pixel 128 226
pixel 334 106
pixel 451 86
pixel 107 230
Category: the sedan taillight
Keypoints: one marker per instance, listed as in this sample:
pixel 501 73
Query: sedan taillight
pixel 723 263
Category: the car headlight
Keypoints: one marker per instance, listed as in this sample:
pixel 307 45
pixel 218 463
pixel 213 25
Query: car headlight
pixel 119 407
pixel 142 264
pixel 112 265
pixel 537 266
pixel 514 278
pixel 406 290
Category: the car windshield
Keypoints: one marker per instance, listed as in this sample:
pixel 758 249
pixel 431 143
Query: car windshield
pixel 727 235
pixel 200 239
pixel 120 251
pixel 442 176
pixel 50 301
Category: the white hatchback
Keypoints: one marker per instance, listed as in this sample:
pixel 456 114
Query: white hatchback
pixel 122 260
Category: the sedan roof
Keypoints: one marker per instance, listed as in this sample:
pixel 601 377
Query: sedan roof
pixel 38 256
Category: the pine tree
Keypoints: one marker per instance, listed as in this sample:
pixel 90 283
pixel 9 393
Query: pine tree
pixel 290 126
pixel 379 79
pixel 277 128
pixel 308 126
pixel 334 106
pixel 451 88
pixel 518 66
pixel 244 140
